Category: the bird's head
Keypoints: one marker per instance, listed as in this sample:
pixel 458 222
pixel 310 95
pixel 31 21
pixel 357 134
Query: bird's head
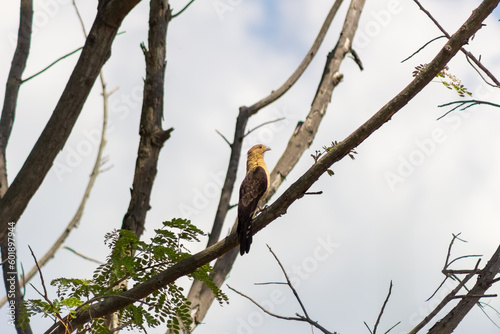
pixel 258 150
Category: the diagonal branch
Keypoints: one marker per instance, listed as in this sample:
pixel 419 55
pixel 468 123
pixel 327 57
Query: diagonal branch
pixel 297 189
pixel 51 64
pixel 289 283
pixel 443 303
pixel 305 132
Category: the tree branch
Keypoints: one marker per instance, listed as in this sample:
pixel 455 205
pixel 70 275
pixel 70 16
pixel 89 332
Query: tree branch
pixel 297 189
pixel 51 64
pixel 150 130
pixel 377 322
pixel 299 317
pixel 289 282
pixel 8 240
pixel 183 9
pixel 463 105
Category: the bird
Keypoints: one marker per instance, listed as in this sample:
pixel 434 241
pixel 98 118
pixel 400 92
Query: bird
pixel 253 188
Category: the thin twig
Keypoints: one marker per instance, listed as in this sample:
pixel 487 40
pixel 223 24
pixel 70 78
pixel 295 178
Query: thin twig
pixel 263 308
pixel 382 309
pixel 460 258
pixel 183 9
pixel 462 103
pixel 52 64
pixel 438 288
pixel 449 249
pixel 289 282
pixel 423 47
pixel 82 255
pixel 45 294
pixel 482 307
pixel 271 283
pixel 313 192
pixel 80 19
pixel 474 296
pixel 387 331
pixel 265 123
pixel 469 60
pixel 443 303
pixel 223 137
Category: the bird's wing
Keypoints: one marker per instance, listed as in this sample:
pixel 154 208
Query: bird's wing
pixel 253 187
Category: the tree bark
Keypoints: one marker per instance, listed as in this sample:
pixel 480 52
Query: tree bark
pixel 150 130
pixel 485 280
pixel 8 246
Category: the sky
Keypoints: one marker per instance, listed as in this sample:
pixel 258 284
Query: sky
pixel 389 215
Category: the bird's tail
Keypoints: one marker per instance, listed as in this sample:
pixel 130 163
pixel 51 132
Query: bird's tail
pixel 244 235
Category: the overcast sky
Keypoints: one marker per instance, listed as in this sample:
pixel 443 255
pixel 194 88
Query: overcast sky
pixel 387 215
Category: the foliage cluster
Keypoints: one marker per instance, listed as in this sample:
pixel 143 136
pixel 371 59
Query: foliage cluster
pixel 131 262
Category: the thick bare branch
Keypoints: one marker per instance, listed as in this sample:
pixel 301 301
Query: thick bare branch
pixel 96 51
pixel 13 84
pixel 297 189
pixel 7 241
pixel 304 134
pixel 150 130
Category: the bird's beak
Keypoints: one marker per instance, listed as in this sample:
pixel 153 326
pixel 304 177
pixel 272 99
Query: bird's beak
pixel 267 149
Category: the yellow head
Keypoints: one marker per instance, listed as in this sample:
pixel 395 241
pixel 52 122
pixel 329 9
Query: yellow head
pixel 256 156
